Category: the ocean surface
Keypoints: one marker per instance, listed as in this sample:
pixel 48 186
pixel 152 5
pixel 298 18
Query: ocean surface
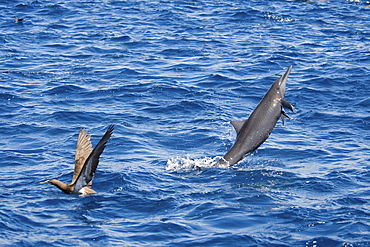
pixel 171 75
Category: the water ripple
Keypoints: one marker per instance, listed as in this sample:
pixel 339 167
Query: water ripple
pixel 171 75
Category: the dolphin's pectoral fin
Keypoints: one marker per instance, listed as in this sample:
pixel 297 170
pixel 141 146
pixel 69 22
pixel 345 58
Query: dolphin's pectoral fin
pixel 283 115
pixel 287 105
pixel 238 125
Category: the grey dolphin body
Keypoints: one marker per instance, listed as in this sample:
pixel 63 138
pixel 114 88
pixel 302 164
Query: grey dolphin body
pixel 251 133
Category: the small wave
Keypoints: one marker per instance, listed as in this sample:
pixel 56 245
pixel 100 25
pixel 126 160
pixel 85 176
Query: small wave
pixel 181 164
pixel 280 18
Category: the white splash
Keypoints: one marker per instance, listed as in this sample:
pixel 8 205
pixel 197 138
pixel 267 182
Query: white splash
pixel 186 164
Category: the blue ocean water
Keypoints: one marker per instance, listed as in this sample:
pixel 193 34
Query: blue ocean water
pixel 171 75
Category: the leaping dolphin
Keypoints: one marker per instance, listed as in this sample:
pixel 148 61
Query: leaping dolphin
pixel 251 133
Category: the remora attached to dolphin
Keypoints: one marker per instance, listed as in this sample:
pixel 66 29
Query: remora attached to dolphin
pixel 251 133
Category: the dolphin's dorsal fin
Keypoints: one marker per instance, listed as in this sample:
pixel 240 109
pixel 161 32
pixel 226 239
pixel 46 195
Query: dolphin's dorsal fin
pixel 238 125
pixel 287 105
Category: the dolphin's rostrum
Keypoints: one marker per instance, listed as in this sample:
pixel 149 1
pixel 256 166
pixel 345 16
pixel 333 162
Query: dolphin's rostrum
pixel 251 133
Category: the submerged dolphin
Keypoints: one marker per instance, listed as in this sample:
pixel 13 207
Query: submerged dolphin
pixel 251 133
